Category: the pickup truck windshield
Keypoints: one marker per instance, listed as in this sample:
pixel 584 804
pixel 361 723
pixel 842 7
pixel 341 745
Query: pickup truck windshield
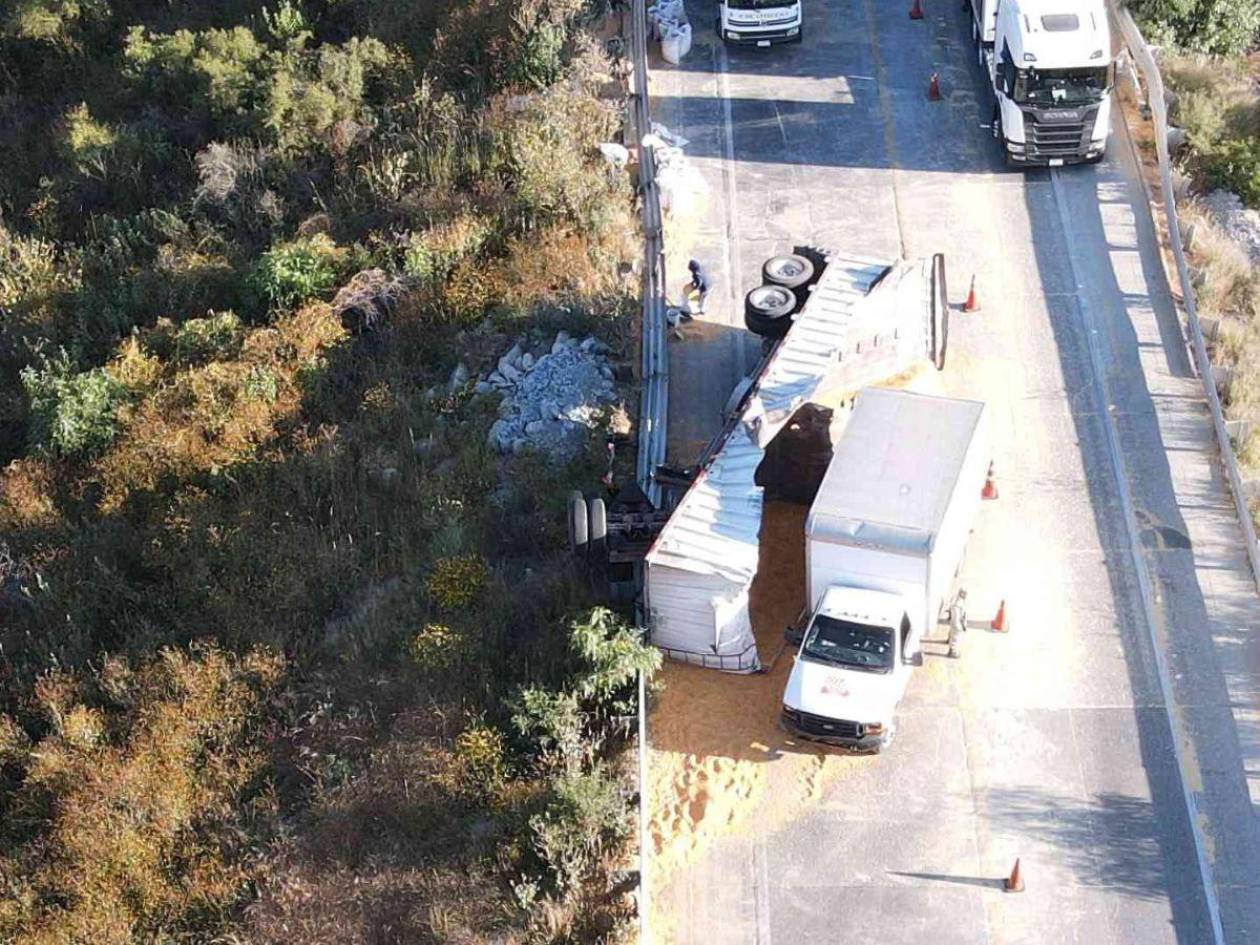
pixel 1061 86
pixel 856 645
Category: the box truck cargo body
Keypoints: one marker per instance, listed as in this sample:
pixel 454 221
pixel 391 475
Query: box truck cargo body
pixel 885 539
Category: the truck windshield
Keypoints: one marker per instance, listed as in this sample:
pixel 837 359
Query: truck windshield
pixel 1061 86
pixel 856 645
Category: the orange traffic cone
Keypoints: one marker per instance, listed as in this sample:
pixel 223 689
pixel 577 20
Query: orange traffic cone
pixel 973 303
pixel 934 88
pixel 990 487
pixel 916 10
pixel 999 620
pixel 1014 882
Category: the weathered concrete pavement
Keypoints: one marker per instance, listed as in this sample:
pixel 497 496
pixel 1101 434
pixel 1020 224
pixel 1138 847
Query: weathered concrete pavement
pixel 1052 743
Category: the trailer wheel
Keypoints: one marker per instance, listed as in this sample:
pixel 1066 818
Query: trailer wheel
pixel 597 517
pixel 579 532
pixel 788 270
pixel 768 310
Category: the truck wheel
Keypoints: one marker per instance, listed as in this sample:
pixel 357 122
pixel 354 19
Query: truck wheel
pixel 597 516
pixel 790 271
pixel 579 532
pixel 768 310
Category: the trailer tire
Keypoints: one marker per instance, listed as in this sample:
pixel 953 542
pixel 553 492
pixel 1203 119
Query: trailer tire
pixel 768 310
pixel 597 518
pixel 579 530
pixel 789 270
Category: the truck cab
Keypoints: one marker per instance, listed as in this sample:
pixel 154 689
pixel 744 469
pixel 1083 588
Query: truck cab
pixel 759 22
pixel 1050 65
pixel 851 669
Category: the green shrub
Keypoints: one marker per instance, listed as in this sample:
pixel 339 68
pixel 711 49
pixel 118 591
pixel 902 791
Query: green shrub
pixel 51 21
pixel 217 337
pixel 71 412
pixel 262 384
pixel 311 91
pixel 435 647
pixel 218 70
pixel 1234 164
pixel 297 271
pixel 585 816
pixel 456 582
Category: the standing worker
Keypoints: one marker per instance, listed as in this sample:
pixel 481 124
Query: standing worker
pixel 957 624
pixel 699 284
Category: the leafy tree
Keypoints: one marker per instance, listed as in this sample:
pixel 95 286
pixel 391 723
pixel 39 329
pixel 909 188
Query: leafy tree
pixel 1222 27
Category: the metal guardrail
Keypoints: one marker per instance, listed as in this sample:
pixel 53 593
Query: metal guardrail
pixel 654 379
pixel 1154 83
pixel 653 404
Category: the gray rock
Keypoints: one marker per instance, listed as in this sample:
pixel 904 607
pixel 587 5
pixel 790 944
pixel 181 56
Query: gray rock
pixel 1239 223
pixel 459 376
pixel 494 439
pixel 518 445
pixel 527 362
pixel 533 428
pixel 483 387
pixel 561 342
pixel 510 374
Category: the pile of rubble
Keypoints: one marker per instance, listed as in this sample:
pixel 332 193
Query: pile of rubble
pixel 1241 224
pixel 552 395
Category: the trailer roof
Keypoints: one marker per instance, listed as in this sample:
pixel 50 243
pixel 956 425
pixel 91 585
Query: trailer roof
pixel 894 470
pixel 715 528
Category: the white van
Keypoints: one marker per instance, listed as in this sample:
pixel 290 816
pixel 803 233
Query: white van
pixel 759 22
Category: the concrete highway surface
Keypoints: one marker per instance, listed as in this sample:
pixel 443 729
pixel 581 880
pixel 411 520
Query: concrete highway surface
pixel 1111 740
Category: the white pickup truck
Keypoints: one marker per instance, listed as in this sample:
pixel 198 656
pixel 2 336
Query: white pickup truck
pixel 885 539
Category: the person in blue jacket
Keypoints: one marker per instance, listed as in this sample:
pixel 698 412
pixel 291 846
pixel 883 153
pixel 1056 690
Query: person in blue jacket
pixel 701 284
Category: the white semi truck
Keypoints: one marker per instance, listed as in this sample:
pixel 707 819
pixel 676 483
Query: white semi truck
pixel 759 22
pixel 1050 66
pixel 885 539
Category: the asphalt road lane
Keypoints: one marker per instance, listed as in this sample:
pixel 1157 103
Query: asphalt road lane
pixel 1051 743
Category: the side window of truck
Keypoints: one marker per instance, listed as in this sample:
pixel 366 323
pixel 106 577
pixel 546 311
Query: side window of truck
pixel 1008 70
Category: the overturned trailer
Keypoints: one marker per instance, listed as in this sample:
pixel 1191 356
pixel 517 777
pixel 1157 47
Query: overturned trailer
pixel 864 321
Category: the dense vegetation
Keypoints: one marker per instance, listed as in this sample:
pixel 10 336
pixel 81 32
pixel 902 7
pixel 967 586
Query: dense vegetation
pixel 286 654
pixel 1221 27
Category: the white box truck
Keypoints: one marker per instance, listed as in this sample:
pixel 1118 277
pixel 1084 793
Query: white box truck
pixel 1049 64
pixel 759 22
pixel 885 539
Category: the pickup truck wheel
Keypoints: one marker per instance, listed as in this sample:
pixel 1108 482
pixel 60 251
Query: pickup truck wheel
pixel 790 270
pixel 597 517
pixel 768 310
pixel 579 532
